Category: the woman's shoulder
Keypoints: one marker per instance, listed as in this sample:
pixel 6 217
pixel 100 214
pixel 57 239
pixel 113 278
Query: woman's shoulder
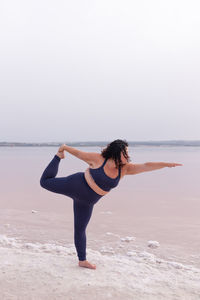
pixel 97 160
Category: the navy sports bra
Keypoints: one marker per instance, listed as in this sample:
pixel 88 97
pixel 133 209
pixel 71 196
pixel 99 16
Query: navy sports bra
pixel 105 182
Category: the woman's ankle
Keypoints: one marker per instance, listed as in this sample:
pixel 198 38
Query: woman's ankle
pixel 57 156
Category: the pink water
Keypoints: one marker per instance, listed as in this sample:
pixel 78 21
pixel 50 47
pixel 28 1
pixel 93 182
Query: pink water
pixel 162 205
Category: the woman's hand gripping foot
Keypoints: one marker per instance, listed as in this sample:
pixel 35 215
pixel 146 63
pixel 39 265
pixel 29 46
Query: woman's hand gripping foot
pixel 86 264
pixel 61 151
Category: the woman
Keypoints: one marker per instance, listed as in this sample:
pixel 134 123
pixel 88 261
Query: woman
pixel 86 188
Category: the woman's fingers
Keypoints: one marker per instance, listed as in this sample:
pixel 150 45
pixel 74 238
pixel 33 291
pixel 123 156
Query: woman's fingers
pixel 173 165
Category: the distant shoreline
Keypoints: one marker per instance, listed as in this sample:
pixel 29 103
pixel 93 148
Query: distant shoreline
pixel 175 143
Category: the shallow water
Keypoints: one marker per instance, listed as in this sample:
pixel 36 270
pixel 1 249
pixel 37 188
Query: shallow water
pixel 162 205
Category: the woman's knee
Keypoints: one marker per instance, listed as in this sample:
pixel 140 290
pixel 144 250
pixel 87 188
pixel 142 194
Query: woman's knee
pixel 42 182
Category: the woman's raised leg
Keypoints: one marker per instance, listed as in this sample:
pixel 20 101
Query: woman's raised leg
pixel 48 180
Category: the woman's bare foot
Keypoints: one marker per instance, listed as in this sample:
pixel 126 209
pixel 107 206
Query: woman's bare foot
pixel 86 264
pixel 61 154
pixel 61 151
pixel 61 148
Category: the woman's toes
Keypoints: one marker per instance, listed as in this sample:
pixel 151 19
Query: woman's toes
pixel 61 148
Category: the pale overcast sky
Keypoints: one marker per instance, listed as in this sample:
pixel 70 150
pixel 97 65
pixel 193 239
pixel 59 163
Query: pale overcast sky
pixel 99 70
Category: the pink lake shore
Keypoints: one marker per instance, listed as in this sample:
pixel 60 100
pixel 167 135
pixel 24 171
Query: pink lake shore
pixel 36 232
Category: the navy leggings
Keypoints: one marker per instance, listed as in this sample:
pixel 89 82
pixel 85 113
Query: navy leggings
pixel 84 198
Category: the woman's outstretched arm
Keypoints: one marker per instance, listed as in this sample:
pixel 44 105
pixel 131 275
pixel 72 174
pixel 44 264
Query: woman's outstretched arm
pixel 132 169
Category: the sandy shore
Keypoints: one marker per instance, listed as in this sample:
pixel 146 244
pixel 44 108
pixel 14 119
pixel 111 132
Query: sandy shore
pixel 49 271
pixel 37 255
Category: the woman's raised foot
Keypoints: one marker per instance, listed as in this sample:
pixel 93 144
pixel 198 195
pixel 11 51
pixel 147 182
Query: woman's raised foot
pixel 61 154
pixel 61 151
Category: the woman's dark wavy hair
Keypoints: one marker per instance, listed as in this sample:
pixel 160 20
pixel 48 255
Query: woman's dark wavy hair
pixel 113 150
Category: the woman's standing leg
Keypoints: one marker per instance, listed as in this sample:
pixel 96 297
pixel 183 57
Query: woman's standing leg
pixel 82 215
